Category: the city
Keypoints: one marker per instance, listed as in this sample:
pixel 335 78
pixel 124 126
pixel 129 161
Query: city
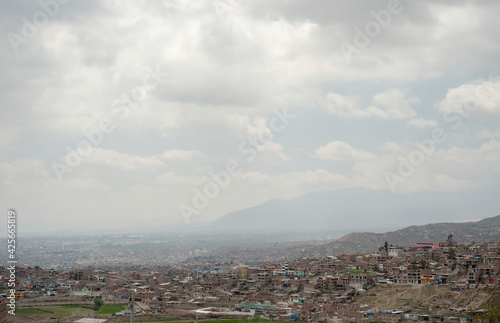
pixel 430 279
pixel 191 161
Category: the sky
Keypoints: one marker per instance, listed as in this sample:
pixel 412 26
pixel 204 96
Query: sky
pixel 144 113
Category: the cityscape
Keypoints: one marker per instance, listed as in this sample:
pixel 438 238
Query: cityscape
pixel 425 280
pixel 249 161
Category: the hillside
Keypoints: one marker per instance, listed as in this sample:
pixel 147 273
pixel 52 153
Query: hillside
pixel 366 242
pixel 423 297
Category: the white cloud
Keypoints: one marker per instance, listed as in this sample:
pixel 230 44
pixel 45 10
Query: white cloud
pixel 391 104
pixel 321 179
pixel 171 178
pixel 422 123
pixel 343 105
pixel 393 147
pixel 255 178
pixel 444 170
pixel 23 168
pixel 226 73
pixel 111 158
pixel 341 151
pixel 479 97
pixel 274 149
pixel 180 154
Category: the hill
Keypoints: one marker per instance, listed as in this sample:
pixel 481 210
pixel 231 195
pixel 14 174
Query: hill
pixel 365 242
pixel 423 297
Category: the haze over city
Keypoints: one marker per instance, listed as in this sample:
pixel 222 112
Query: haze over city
pixel 125 114
pixel 249 161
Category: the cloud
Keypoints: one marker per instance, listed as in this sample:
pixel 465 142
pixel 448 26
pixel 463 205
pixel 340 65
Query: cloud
pixel 226 71
pixel 180 154
pixel 486 134
pixel 111 158
pixel 274 149
pixel 171 178
pixel 477 98
pixel 391 104
pixel 340 105
pixel 23 168
pixel 341 151
pixel 422 123
pixel 321 179
pixel 448 169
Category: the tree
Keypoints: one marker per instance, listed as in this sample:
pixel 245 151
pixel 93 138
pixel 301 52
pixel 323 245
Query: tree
pixel 386 247
pixel 450 240
pixel 98 304
pixel 451 254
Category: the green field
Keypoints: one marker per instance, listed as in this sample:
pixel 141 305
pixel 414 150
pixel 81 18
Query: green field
pixel 105 309
pixel 58 311
pixel 72 306
pixel 164 320
pixel 111 309
pixel 243 320
pixel 78 305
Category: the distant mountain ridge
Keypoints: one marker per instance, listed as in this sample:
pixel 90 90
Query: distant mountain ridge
pixel 487 229
pixel 357 209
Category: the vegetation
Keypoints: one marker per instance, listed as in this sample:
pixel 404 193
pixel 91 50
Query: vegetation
pixel 239 321
pixel 449 240
pixel 451 254
pixel 162 320
pixel 98 304
pixel 110 309
pixel 78 305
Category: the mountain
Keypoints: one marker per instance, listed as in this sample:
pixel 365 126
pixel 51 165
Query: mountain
pixel 357 209
pixel 366 242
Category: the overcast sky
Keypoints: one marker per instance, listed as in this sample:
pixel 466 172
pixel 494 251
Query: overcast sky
pixel 159 95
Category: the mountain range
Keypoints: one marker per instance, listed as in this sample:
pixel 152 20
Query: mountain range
pixel 357 209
